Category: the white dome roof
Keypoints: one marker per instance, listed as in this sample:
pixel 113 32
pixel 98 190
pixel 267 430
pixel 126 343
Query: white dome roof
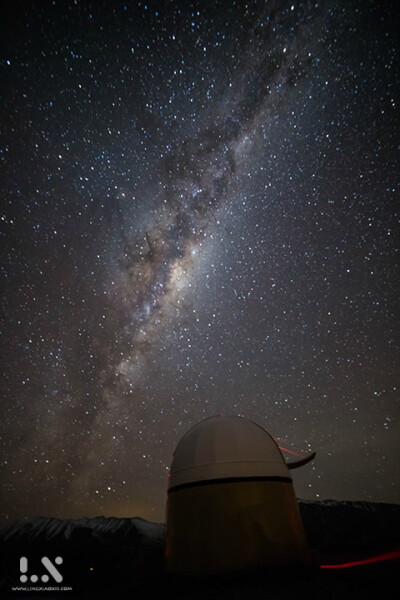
pixel 226 447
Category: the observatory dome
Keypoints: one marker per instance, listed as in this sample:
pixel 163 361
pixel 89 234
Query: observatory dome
pixel 222 448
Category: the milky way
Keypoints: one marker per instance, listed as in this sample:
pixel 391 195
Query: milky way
pixel 199 217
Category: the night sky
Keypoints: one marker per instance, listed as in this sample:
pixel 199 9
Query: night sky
pixel 199 216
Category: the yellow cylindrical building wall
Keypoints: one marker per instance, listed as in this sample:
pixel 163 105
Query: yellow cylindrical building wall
pixel 222 527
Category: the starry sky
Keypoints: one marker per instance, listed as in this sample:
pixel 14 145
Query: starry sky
pixel 199 216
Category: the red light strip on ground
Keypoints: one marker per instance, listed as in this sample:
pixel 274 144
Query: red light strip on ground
pixel 366 561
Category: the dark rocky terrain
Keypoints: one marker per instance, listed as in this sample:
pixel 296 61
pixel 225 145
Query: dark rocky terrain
pixel 124 558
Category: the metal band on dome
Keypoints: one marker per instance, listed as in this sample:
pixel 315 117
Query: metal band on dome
pixel 191 484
